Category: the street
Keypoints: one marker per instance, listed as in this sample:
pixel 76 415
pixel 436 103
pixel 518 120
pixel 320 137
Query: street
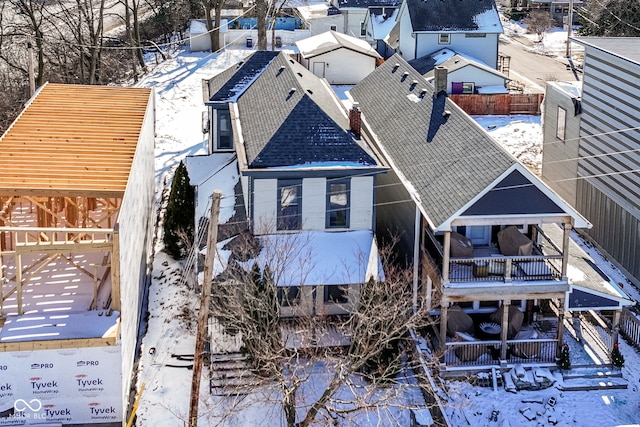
pixel 533 69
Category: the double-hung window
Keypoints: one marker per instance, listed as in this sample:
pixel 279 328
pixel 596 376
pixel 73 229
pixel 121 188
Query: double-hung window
pixel 224 134
pixel 289 204
pixel 338 203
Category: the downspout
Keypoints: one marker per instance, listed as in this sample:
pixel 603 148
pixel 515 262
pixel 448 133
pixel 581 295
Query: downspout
pixel 416 259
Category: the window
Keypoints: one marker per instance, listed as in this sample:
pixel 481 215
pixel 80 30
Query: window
pixel 561 125
pixel 337 203
pixel 289 209
pixel 336 294
pixel 224 134
pixel 288 295
pixel 475 35
pixel 334 28
pixel 444 38
pixel 363 29
pixel 462 87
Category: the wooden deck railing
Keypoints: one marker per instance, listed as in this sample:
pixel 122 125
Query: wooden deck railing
pixel 504 268
pixel 487 353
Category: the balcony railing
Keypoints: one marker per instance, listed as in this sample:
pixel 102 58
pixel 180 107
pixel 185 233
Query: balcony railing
pixel 505 268
pixel 483 353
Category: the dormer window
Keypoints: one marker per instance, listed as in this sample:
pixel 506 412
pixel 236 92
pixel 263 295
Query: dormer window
pixel 444 38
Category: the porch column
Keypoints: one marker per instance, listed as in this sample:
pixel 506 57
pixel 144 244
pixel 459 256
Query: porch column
pixel 565 249
pixel 560 327
pixel 443 326
pixel 505 327
pixel 445 259
pixel 615 327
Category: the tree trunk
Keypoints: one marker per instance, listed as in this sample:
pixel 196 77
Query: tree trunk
pixel 209 24
pixel 129 35
pixel 215 46
pixel 289 405
pixel 261 13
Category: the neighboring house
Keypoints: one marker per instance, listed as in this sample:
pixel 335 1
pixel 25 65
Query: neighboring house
pixel 469 27
pixel 307 179
pixel 378 24
pixel 598 168
pixel 475 223
pixel 337 57
pixel 465 75
pixel 355 13
pixel 321 17
pixel 76 234
pixel 558 9
pixel 562 108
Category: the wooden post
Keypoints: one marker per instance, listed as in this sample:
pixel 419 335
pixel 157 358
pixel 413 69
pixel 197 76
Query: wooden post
pixel 560 327
pixel 445 258
pixel 443 327
pixel 203 315
pixel 565 249
pixel 115 269
pixel 616 327
pixel 505 329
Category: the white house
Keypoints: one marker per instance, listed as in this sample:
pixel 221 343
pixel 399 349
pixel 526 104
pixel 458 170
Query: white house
pixel 307 180
pixel 469 27
pixel 199 39
pixel 464 73
pixel 337 57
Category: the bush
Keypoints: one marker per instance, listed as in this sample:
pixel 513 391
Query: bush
pixel 515 14
pixel 179 218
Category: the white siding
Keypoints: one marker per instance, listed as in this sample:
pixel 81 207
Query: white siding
pixel 484 49
pixel 265 205
pixel 135 239
pixel 361 203
pixel 407 44
pixel 344 66
pixel 314 203
pixel 470 74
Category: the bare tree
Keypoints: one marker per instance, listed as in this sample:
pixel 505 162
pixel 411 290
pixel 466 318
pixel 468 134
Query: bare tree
pixel 262 13
pixel 610 18
pixel 538 22
pixel 248 300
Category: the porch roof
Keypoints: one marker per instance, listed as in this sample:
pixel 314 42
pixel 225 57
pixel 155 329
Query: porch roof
pixel 590 287
pixel 321 258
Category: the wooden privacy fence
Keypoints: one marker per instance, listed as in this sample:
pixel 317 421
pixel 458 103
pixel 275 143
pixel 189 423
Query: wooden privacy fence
pixel 499 103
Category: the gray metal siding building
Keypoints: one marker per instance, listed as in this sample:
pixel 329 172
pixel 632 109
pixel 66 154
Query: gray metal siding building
pixel 608 184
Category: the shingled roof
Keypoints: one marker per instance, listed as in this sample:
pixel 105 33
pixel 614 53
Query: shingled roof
pixel 454 16
pixel 446 160
pixel 231 83
pixel 289 117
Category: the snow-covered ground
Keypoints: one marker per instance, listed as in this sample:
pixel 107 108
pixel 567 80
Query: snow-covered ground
pixel 171 320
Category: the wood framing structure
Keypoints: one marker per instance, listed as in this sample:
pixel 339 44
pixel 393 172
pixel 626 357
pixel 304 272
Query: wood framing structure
pixel 76 222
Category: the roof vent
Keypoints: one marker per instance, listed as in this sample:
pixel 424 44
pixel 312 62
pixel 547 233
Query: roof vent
pixel 280 70
pixel 310 91
pixel 404 76
pixel 414 83
pixel 395 67
pixel 423 93
pixel 291 92
pixel 446 114
pixel 300 74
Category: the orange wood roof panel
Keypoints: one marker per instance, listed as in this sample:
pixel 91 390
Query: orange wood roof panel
pixel 73 139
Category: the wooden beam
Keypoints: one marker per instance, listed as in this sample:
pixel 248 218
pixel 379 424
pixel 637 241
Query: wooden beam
pixel 115 270
pixel 108 341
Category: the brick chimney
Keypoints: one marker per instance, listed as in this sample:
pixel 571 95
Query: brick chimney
pixel 440 81
pixel 355 119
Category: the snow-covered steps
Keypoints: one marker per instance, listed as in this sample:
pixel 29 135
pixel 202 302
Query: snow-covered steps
pixel 229 375
pixel 592 378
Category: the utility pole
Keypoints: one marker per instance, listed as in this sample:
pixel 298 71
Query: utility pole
pixel 203 315
pixel 569 26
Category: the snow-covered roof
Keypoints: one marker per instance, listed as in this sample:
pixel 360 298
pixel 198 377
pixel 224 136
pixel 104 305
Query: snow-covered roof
pixel 332 40
pixel 313 11
pixel 321 258
pixel 463 16
pixel 492 89
pixel 381 25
